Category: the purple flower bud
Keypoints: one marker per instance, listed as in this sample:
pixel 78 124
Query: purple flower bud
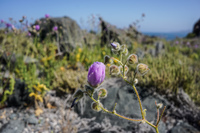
pixel 96 74
pixel 177 42
pixel 37 27
pixel 2 21
pixel 55 28
pixel 114 45
pixel 29 34
pixel 8 25
pixel 47 16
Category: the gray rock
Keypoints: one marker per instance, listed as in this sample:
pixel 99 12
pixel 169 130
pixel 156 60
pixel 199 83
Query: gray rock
pixel 110 33
pixel 13 116
pixel 127 105
pixel 184 128
pixel 152 52
pixel 14 126
pixel 140 53
pixel 29 60
pixel 20 95
pixel 32 120
pixel 69 34
pixel 196 28
pixel 159 47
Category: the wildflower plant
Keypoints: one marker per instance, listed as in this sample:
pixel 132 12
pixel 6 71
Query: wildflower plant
pixel 96 75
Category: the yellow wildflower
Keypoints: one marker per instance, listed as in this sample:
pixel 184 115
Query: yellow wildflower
pixel 62 68
pixel 79 50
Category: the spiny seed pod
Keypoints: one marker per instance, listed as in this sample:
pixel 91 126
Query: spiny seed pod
pixel 132 59
pixel 108 60
pixel 142 69
pixel 89 90
pixel 115 46
pixel 114 70
pixel 102 93
pixel 125 69
pixel 95 106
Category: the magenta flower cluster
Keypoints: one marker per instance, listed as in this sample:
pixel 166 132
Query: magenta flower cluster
pixel 37 27
pixel 47 16
pixel 55 28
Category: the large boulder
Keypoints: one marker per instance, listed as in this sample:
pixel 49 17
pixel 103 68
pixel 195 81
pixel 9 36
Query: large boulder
pixel 69 33
pixel 110 33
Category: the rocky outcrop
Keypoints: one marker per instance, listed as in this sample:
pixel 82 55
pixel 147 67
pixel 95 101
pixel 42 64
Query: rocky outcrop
pixel 181 115
pixel 69 33
pixel 196 28
pixel 178 111
pixel 20 95
pixel 110 33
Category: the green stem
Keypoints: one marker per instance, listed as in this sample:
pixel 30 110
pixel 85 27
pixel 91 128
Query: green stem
pixel 160 116
pixel 157 130
pixel 121 56
pixel 150 123
pixel 158 112
pixel 139 102
pixel 114 112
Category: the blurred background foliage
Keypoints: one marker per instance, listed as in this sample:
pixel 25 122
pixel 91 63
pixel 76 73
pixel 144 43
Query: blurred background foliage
pixel 34 61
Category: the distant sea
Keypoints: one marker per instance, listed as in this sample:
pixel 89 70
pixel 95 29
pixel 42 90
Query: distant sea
pixel 168 36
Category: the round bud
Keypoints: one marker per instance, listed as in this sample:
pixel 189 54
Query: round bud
pixel 89 90
pixel 115 46
pixel 135 81
pixel 159 105
pixel 125 52
pixel 96 106
pixel 108 60
pixel 114 70
pixel 125 69
pixel 102 93
pixel 123 47
pixel 78 94
pixel 132 59
pixel 142 69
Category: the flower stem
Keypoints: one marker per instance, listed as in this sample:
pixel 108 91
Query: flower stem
pixel 114 112
pixel 139 102
pixel 157 130
pixel 160 116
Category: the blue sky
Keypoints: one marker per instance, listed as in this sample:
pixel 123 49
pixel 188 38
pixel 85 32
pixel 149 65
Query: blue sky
pixel 161 16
